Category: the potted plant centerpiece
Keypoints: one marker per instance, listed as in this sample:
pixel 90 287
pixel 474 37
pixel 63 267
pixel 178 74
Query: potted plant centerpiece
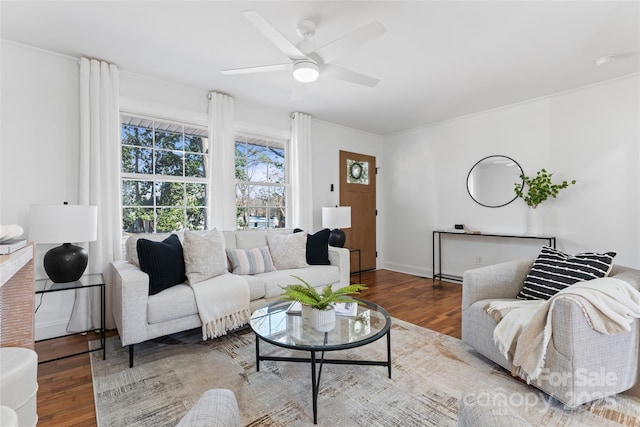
pixel 539 189
pixel 322 316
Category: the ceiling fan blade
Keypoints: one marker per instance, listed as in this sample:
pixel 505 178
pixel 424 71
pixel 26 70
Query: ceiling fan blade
pixel 273 35
pixel 338 47
pixel 299 89
pixel 259 69
pixel 336 72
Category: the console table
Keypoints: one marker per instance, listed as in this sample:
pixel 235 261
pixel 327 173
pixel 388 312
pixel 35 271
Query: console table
pixel 551 241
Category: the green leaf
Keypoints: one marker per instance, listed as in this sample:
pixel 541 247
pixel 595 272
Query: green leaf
pixel 539 188
pixel 308 295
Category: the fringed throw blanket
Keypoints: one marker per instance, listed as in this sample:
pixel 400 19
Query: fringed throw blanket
pixel 524 329
pixel 223 304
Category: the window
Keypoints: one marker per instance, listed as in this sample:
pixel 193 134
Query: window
pixel 261 183
pixel 164 175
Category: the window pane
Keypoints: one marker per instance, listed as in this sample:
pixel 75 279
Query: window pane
pixel 137 193
pixel 196 218
pixel 241 161
pixel 169 140
pixel 276 165
pixel 195 144
pixel 257 161
pixel 242 218
pixel 169 219
pixel 242 195
pixel 134 135
pixel 258 196
pixel 276 218
pixel 170 193
pixel 196 194
pixel 195 165
pixel 169 163
pixel 137 160
pixel 137 220
pixel 257 218
pixel 276 197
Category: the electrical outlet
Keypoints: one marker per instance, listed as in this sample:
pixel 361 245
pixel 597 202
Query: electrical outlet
pixel 478 260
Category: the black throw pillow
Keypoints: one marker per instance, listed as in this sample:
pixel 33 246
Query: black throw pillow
pixel 318 248
pixel 554 270
pixel 163 262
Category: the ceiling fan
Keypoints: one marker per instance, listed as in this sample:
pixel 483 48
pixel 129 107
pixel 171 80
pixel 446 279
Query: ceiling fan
pixel 306 61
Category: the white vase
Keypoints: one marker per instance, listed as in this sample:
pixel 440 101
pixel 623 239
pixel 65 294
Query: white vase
pixel 306 311
pixel 533 222
pixel 322 320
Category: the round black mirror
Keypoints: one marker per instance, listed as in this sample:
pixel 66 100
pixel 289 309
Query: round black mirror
pixel 491 180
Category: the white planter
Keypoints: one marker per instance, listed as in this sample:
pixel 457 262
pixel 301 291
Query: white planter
pixel 322 320
pixel 306 311
pixel 533 222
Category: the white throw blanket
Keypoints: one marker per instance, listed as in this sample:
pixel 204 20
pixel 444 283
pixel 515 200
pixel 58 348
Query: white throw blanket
pixel 524 329
pixel 223 304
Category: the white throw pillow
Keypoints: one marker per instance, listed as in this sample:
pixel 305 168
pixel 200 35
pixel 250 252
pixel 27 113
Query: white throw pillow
pixel 204 255
pixel 288 250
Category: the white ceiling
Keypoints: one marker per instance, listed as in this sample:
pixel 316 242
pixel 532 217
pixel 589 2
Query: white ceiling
pixel 438 59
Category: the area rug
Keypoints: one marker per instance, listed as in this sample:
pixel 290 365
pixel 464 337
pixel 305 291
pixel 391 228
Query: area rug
pixel 430 373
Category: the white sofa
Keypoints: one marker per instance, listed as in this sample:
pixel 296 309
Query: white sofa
pixel 140 317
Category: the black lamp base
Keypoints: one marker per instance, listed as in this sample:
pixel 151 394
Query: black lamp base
pixel 337 238
pixel 66 263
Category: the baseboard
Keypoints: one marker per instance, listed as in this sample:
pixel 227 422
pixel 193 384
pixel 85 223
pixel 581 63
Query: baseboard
pixel 51 329
pixel 407 269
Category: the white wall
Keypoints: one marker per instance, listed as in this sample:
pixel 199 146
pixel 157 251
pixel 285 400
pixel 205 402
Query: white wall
pixel 591 135
pixel 39 150
pixel 328 140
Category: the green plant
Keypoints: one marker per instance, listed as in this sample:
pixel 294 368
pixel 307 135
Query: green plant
pixel 540 188
pixel 308 295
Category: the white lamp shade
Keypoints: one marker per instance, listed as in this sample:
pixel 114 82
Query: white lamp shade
pixel 63 223
pixel 338 217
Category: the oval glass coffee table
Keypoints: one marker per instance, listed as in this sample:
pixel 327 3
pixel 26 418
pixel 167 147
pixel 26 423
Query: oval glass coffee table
pixel 276 324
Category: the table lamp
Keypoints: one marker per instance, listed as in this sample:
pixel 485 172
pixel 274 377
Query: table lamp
pixel 60 224
pixel 335 219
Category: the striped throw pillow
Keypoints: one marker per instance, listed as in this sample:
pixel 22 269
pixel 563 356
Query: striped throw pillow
pixel 553 270
pixel 250 261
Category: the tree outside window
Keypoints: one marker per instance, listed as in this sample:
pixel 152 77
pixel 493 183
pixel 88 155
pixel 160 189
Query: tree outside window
pixel 261 183
pixel 164 175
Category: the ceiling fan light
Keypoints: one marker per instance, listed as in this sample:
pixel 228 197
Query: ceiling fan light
pixel 306 71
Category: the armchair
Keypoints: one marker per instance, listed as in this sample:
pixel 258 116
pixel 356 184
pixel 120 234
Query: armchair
pixel 581 364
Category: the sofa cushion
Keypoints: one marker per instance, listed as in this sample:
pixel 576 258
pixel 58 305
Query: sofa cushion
pixel 163 262
pixel 172 303
pixel 204 255
pixel 315 275
pixel 256 287
pixel 288 250
pixel 131 246
pixel 554 270
pixel 317 247
pixel 249 239
pixel 250 261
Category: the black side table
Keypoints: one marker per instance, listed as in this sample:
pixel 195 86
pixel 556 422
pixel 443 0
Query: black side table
pixel 44 286
pixel 359 263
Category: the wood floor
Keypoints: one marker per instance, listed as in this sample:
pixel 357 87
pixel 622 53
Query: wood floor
pixel 65 394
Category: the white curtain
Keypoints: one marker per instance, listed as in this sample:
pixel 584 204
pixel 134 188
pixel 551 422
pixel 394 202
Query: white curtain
pixel 222 176
pixel 300 174
pixel 99 182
